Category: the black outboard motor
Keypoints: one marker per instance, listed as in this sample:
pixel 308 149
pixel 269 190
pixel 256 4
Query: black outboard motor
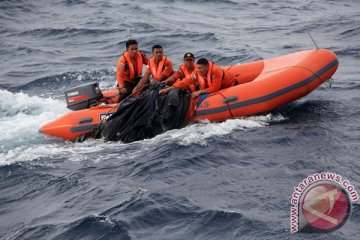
pixel 83 96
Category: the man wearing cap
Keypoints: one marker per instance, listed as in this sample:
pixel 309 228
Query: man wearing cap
pixel 185 70
pixel 209 77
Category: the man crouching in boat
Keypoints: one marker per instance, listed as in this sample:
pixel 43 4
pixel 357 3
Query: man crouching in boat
pixel 208 78
pixel 159 67
pixel 129 68
pixel 185 70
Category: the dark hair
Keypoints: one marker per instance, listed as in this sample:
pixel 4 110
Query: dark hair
pixel 130 42
pixel 156 46
pixel 203 61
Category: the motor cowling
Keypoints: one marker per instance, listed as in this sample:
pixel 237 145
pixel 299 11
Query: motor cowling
pixel 83 96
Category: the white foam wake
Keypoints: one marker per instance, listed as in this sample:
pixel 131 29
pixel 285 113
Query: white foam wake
pixel 61 149
pixel 22 115
pixel 199 133
pixel 20 140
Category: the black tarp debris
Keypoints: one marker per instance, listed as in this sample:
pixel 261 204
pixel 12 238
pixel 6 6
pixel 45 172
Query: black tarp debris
pixel 146 116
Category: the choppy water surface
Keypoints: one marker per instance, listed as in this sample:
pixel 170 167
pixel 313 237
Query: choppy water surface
pixel 230 180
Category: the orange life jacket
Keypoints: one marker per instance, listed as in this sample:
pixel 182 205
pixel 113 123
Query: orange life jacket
pixel 201 79
pixel 139 61
pixel 186 72
pixel 157 71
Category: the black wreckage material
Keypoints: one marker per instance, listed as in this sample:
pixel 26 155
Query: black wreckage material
pixel 146 116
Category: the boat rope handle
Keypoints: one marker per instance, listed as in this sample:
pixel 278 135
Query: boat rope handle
pixel 227 103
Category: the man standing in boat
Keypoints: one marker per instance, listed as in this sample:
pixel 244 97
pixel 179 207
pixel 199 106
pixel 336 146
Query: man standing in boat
pixel 208 77
pixel 159 67
pixel 185 70
pixel 129 68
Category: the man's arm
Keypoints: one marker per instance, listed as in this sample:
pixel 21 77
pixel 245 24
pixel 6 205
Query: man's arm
pixel 176 76
pixel 197 93
pixel 144 80
pixel 181 84
pixel 186 82
pixel 168 70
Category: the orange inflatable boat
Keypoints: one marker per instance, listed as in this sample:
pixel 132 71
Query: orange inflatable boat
pixel 262 86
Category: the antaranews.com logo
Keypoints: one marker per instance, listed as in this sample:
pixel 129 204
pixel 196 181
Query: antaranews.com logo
pixel 321 203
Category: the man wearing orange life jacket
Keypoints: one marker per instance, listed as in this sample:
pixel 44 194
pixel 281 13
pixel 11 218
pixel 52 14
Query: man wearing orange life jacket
pixel 129 68
pixel 185 70
pixel 159 67
pixel 209 77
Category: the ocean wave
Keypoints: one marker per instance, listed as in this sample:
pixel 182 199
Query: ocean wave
pixel 352 32
pixel 13 104
pixel 22 5
pixel 350 51
pixel 16 50
pixel 96 227
pixel 313 110
pixel 199 133
pixel 91 227
pixel 158 210
pixel 57 84
pixel 184 142
pixel 68 32
pixel 231 58
pixel 194 36
pixel 21 116
pixel 73 2
pixel 50 148
pixel 36 232
pixel 195 134
pixel 213 1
